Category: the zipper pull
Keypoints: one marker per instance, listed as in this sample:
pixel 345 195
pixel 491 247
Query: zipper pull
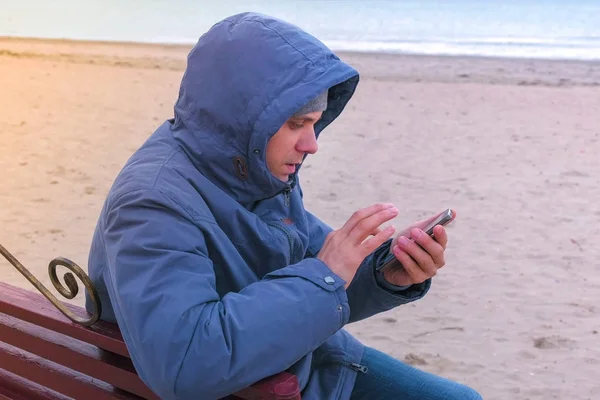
pixel 287 196
pixel 359 368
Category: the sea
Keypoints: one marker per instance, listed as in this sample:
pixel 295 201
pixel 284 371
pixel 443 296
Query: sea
pixel 547 29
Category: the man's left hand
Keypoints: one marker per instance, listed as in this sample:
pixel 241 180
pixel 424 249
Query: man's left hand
pixel 420 255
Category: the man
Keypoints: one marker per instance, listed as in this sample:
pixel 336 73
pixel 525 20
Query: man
pixel 206 258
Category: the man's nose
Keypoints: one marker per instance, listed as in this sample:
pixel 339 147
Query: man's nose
pixel 308 143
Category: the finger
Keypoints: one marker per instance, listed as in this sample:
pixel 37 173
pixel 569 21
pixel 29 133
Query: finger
pixel 375 231
pixel 410 266
pixel 440 236
pixel 423 259
pixel 363 213
pixel 361 230
pixel 369 246
pixel 434 250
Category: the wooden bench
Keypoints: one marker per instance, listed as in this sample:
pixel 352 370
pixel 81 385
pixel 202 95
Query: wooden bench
pixel 45 355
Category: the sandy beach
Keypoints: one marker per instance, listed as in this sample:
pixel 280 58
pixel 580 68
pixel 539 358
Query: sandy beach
pixel 512 145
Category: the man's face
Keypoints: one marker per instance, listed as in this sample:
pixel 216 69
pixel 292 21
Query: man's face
pixel 286 149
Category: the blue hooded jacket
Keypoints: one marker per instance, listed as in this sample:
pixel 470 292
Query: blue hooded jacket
pixel 207 261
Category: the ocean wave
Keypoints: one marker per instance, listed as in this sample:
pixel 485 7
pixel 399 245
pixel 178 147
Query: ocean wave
pixel 489 47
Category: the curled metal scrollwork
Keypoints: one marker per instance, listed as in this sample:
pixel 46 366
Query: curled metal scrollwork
pixel 70 291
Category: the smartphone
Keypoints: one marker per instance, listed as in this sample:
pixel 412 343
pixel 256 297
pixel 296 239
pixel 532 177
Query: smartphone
pixel 443 219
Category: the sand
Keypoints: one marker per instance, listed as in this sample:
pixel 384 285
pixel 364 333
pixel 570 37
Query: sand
pixel 512 145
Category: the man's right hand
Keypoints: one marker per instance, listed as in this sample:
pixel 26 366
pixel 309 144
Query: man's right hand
pixel 346 248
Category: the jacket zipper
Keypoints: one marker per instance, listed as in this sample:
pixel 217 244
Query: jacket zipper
pixel 357 367
pixel 287 195
pixel 352 365
pixel 286 192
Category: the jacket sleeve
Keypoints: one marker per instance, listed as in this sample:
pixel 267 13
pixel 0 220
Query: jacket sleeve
pixel 185 340
pixel 368 294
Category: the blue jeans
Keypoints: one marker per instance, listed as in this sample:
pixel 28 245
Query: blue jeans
pixel 388 378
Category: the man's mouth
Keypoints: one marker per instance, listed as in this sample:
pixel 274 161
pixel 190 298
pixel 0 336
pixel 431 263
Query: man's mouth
pixel 291 167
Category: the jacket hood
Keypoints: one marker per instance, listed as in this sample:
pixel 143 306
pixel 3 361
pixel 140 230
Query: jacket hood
pixel 244 78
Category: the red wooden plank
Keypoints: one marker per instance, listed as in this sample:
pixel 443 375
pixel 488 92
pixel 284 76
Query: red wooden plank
pixel 6 395
pixel 57 377
pixel 18 388
pixel 35 308
pixel 74 354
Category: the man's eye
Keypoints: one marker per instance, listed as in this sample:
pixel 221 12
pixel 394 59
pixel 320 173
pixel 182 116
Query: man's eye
pixel 295 125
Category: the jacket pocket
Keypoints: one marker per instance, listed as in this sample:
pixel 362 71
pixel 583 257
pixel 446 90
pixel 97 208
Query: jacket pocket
pixel 293 253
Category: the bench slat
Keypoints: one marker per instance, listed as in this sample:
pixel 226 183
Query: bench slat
pixel 35 308
pixel 74 354
pixel 6 395
pixel 15 387
pixel 57 377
